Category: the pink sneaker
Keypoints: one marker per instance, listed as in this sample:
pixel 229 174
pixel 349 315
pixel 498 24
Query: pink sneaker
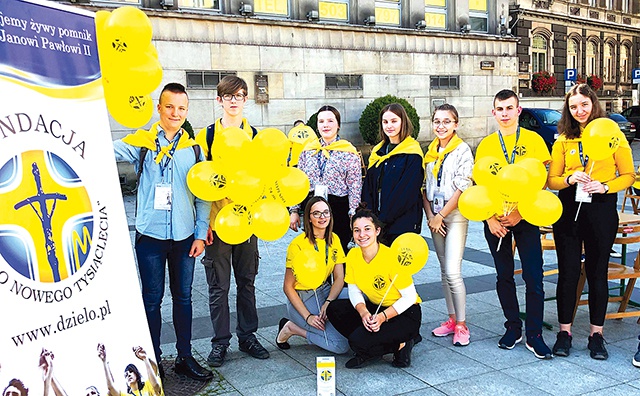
pixel 445 328
pixel 461 335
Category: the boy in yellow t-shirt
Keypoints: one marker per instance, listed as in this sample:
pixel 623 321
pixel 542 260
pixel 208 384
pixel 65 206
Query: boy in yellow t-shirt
pixel 509 145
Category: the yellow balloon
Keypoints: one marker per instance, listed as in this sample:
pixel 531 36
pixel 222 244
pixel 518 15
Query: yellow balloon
pixel 244 187
pixel 537 172
pixel 291 189
pixel 308 269
pixel 128 30
pixel 141 73
pixel 271 146
pixel 601 138
pixel 478 203
pixel 513 183
pixel 206 181
pixel 231 146
pixel 301 134
pixel 411 251
pixel 132 111
pixel 542 209
pixel 269 220
pixel 485 171
pixel 233 224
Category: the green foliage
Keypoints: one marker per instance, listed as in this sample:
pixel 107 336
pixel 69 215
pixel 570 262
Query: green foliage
pixel 313 123
pixel 187 127
pixel 369 127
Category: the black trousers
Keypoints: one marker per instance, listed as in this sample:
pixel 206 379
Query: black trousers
pixel 596 227
pixel 366 344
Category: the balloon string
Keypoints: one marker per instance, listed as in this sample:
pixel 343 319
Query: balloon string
pixel 266 248
pixel 385 294
pixel 580 204
pixel 318 304
pixel 499 244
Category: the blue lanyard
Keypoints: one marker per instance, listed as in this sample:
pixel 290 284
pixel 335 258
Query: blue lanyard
pixel 326 252
pixel 322 162
pixel 515 146
pixel 440 170
pixel 583 158
pixel 166 161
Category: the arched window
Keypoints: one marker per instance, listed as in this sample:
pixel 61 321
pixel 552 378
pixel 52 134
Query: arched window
pixel 624 64
pixel 572 54
pixel 539 53
pixel 591 58
pixel 609 65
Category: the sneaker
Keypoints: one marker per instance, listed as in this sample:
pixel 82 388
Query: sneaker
pixel 615 254
pixel 253 347
pixel 511 337
pixel 357 362
pixel 461 336
pixel 636 357
pixel 582 258
pixel 596 346
pixel 417 339
pixel 562 346
pixel 537 345
pixel 402 358
pixel 217 355
pixel 445 328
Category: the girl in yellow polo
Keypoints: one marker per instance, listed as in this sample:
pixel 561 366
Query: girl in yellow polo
pixel 370 275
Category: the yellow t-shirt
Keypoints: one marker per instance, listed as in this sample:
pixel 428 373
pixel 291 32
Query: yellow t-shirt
pixel 530 145
pixel 147 390
pixel 374 278
pixel 565 160
pixel 335 253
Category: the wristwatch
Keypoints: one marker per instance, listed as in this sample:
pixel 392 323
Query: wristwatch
pixel 606 187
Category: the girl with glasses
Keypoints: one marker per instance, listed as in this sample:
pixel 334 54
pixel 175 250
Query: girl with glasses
pixel 333 167
pixel 449 163
pixel 307 308
pixel 391 188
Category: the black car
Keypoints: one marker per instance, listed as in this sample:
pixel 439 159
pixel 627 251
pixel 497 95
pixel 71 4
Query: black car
pixel 632 114
pixel 544 122
pixel 628 128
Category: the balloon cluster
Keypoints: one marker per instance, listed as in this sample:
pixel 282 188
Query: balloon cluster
pixel 500 189
pixel 129 64
pixel 253 174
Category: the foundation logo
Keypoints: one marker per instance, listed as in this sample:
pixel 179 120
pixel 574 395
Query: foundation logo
pixel 379 282
pixel 46 220
pixel 405 256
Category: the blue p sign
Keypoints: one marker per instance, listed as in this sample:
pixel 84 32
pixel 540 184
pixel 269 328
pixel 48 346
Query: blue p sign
pixel 570 74
pixel 636 76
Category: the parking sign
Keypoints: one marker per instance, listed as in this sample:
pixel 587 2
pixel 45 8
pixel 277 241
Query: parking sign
pixel 635 75
pixel 570 74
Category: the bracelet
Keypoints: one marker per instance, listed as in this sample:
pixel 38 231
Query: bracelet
pixel 440 213
pixel 567 180
pixel 329 301
pixel 386 319
pixel 307 319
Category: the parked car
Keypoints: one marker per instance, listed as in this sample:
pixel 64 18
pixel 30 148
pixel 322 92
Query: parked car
pixel 632 114
pixel 628 128
pixel 542 121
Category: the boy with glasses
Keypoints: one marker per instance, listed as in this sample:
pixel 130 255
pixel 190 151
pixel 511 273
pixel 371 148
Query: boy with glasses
pixel 220 256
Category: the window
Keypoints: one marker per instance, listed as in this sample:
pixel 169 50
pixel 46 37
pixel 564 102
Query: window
pixel 478 15
pixel 334 10
pixel 591 58
pixel 342 81
pixel 435 14
pixel 271 7
pixel 388 12
pixel 445 82
pixel 624 64
pixel 572 54
pixel 608 62
pixel 206 79
pixel 539 53
pixel 203 4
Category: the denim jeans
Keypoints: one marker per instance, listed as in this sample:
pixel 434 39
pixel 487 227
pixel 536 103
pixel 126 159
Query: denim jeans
pixel 152 255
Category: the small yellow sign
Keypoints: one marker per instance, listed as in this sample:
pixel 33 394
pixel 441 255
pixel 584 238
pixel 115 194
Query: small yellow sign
pixel 478 5
pixel 435 3
pixel 435 20
pixel 387 16
pixel 333 10
pixel 274 7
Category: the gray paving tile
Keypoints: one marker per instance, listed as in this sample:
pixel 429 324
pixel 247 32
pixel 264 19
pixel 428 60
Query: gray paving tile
pixel 378 378
pixel 443 365
pixel 424 392
pixel 493 383
pixel 556 377
pixel 618 390
pixel 487 352
pixel 618 366
pixel 305 385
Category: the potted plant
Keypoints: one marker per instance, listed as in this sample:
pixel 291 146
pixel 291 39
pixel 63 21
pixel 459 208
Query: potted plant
pixel 543 82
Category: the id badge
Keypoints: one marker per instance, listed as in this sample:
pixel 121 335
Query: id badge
pixel 321 191
pixel 581 195
pixel 438 202
pixel 162 198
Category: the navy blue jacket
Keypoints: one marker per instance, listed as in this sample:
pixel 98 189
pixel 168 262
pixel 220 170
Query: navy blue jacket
pixel 392 191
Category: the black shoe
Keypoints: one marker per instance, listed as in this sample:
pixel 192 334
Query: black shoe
pixel 189 367
pixel 636 357
pixel 217 355
pixel 562 346
pixel 511 337
pixel 539 348
pixel 254 349
pixel 402 357
pixel 596 346
pixel 417 339
pixel 357 362
pixel 282 345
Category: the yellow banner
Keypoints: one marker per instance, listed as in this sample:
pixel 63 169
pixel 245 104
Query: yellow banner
pixel 435 20
pixel 332 10
pixel 277 7
pixel 478 5
pixel 387 16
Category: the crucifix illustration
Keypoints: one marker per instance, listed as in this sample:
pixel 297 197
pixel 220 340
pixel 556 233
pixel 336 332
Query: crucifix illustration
pixel 45 216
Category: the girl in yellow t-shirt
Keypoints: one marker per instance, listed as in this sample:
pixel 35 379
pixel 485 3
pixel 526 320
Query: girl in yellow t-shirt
pixel 305 319
pixel 370 274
